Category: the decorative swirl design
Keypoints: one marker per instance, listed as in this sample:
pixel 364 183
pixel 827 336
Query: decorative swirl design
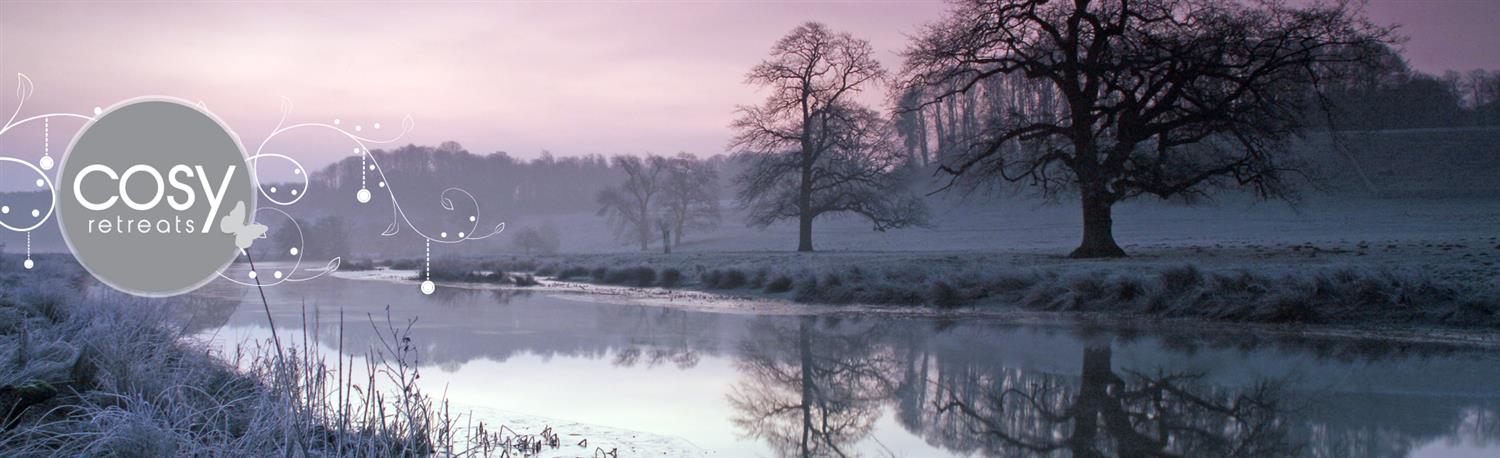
pixel 368 163
pixel 297 250
pixel 25 88
pixel 43 180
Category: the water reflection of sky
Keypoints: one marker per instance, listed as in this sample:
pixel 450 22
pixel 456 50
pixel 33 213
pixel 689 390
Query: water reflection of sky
pixel 729 384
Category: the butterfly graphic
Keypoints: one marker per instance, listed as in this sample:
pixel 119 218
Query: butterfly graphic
pixel 235 223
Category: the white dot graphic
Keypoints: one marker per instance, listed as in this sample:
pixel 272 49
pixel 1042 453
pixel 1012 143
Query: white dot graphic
pixel 273 190
pixel 294 192
pixel 35 213
pixel 377 125
pixel 443 235
pixel 98 110
pixel 5 209
pixel 372 166
pixel 277 274
pixel 382 184
pixel 296 171
pixel 336 121
pixel 460 235
pixel 471 219
pixel 28 264
pixel 294 251
pixel 356 150
pixel 363 196
pixel 359 128
pixel 46 163
pixel 252 274
pixel 428 287
pixel 40 183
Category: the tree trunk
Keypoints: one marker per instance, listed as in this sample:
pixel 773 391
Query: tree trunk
pixel 922 134
pixel 645 227
pixel 804 209
pixel 1098 230
pixel 1093 393
pixel 804 231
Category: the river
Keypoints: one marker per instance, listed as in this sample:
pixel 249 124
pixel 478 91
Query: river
pixel 672 381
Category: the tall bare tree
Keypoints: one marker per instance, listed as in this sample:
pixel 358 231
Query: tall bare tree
pixel 810 149
pixel 629 205
pixel 1153 97
pixel 690 196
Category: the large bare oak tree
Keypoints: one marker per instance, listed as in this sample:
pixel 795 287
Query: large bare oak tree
pixel 810 149
pixel 1169 98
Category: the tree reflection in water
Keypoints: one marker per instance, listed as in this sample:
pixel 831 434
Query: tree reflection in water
pixel 810 389
pixel 1103 413
pixel 815 387
pixel 662 335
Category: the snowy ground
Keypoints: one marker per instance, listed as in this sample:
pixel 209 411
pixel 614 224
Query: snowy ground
pixel 1457 239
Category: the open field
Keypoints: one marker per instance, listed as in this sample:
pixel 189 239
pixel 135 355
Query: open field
pixel 1408 261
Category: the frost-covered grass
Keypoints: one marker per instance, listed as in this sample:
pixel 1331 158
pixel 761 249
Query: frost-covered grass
pixel 1294 287
pixel 94 373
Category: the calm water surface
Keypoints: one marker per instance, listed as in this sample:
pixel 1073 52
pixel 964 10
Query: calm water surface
pixel 662 381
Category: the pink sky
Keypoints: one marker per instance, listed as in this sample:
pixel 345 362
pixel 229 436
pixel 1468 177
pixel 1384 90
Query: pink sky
pixel 571 78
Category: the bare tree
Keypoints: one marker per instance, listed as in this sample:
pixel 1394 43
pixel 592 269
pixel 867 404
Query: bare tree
pixel 1153 97
pixel 629 205
pixel 810 149
pixel 690 196
pixel 544 239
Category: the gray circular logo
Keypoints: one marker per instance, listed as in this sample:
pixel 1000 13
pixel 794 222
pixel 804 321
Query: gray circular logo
pixel 146 192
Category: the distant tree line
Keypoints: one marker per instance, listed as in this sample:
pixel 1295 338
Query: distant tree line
pixel 547 184
pixel 505 188
pixel 1398 97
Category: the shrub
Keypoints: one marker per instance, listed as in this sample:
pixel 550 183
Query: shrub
pixel 780 284
pixel 524 280
pixel 943 295
pixel 728 279
pixel 572 272
pixel 670 277
pixel 635 276
pixel 887 294
pixel 1290 309
pixel 356 265
pixel 600 273
pixel 759 279
pixel 1181 279
pixel 807 289
pixel 406 264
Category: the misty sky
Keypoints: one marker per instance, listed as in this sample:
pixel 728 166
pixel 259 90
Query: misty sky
pixel 571 78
